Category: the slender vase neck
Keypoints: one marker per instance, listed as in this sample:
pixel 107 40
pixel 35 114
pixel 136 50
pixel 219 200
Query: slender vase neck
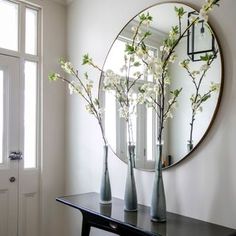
pixel 131 153
pixel 159 158
pixel 105 156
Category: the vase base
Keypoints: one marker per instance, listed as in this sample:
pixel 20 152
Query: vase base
pixel 105 202
pixel 158 220
pixel 133 210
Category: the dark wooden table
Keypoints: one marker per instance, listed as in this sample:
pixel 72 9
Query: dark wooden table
pixel 114 219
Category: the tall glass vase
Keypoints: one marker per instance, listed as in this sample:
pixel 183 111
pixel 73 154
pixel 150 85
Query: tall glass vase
pixel 130 198
pixel 105 190
pixel 158 204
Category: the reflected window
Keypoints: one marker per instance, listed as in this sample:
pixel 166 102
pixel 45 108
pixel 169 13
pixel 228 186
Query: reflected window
pixel 110 118
pixel 149 134
pixel 116 129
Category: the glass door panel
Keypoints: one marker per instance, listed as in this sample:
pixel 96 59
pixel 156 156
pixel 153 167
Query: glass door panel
pixel 30 114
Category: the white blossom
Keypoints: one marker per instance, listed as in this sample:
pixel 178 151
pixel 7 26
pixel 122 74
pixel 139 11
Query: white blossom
pixel 67 67
pixel 89 109
pixel 140 53
pixel 195 73
pixel 215 86
pixel 203 15
pixel 134 28
pixel 123 68
pixel 204 67
pixel 111 80
pixel 124 112
pixel 172 58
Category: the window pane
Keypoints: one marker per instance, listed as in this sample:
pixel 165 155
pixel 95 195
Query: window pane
pixel 31 31
pixel 150 134
pixel 115 60
pixel 1 116
pixel 132 129
pixel 152 54
pixel 30 120
pixel 8 25
pixel 110 119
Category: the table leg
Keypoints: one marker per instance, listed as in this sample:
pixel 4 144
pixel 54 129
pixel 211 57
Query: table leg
pixel 85 228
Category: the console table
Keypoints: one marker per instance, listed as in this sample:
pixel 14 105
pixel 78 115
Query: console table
pixel 114 219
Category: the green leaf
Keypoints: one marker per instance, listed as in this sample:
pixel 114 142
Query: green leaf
pixel 175 29
pixel 144 17
pixel 207 57
pixel 180 11
pixel 86 75
pixel 205 98
pixel 96 101
pixel 87 59
pixel 148 33
pixel 62 61
pixel 141 90
pixel 53 76
pixel 129 49
pixel 137 64
pixel 215 2
pixel 143 46
pixel 176 92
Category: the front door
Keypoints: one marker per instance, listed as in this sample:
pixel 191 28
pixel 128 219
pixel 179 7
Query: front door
pixel 19 169
pixel 9 141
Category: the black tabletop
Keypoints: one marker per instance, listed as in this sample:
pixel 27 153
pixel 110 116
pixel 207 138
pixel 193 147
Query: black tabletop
pixel 176 225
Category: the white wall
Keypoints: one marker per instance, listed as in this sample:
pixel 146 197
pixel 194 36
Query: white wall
pixel 201 187
pixel 53 120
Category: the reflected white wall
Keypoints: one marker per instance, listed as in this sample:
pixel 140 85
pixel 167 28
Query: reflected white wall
pixel 179 126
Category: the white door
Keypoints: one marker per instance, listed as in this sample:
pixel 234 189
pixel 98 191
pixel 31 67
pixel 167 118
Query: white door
pixel 19 179
pixel 9 141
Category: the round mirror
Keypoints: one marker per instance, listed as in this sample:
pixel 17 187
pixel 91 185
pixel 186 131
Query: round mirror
pixel 193 84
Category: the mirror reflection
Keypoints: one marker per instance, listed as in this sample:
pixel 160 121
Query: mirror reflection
pixel 192 87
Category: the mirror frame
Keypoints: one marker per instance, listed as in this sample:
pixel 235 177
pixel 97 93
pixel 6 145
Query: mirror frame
pixel 194 7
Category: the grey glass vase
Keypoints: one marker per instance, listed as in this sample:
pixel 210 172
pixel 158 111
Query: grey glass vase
pixel 130 198
pixel 189 147
pixel 158 204
pixel 105 190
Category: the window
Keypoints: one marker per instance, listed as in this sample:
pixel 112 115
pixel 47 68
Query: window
pixel 143 123
pixel 9 25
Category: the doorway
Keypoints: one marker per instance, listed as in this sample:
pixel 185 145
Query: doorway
pixel 19 119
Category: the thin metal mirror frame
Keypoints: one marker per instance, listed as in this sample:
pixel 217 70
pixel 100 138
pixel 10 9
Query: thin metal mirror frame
pixel 220 92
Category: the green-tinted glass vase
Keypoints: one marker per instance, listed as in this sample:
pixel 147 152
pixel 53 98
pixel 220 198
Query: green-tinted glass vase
pixel 130 198
pixel 105 190
pixel 158 204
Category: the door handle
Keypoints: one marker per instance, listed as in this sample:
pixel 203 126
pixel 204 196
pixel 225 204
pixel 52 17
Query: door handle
pixel 15 156
pixel 12 179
